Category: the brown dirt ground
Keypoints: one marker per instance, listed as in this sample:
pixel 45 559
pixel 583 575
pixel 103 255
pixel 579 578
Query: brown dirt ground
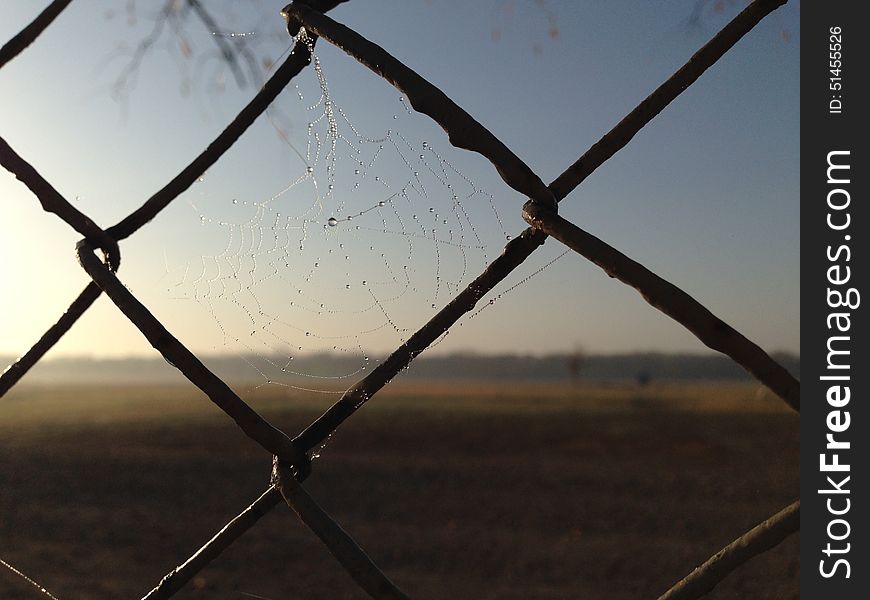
pixel 457 491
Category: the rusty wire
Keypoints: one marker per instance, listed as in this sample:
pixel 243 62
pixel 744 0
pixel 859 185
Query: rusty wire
pixel 290 456
pixel 25 37
pixel 760 538
pixel 53 201
pixel 715 333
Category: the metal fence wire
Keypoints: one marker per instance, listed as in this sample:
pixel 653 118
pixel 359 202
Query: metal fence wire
pixel 291 460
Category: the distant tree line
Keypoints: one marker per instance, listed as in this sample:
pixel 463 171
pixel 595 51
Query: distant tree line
pixel 641 368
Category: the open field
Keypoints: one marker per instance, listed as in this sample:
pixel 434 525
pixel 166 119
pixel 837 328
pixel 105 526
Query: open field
pixel 474 490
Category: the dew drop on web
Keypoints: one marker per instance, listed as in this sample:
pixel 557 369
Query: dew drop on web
pixel 421 230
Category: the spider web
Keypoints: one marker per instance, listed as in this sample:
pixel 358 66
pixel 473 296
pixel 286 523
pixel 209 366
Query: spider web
pixel 372 232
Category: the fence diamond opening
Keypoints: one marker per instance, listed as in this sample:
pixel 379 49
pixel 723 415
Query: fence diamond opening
pixel 307 21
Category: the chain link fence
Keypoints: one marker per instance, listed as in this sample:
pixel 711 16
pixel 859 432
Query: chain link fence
pixel 307 21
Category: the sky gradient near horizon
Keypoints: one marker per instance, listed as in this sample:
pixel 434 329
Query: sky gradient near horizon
pixel 707 195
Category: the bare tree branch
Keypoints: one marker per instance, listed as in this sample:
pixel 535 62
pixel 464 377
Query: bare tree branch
pixel 52 201
pixel 228 52
pixel 292 66
pixel 127 77
pixel 233 51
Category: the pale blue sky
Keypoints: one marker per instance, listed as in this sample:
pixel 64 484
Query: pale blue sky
pixel 707 195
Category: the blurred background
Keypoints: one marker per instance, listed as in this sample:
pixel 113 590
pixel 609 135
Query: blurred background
pixel 564 439
pixel 706 195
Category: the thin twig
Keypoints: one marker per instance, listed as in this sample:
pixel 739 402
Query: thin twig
pixel 17 370
pixel 348 553
pixel 462 129
pixel 25 37
pixel 760 538
pixel 255 426
pixel 228 52
pixel 126 79
pixel 52 201
pixel 292 66
pixel 671 300
pixel 222 540
pixel 298 59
